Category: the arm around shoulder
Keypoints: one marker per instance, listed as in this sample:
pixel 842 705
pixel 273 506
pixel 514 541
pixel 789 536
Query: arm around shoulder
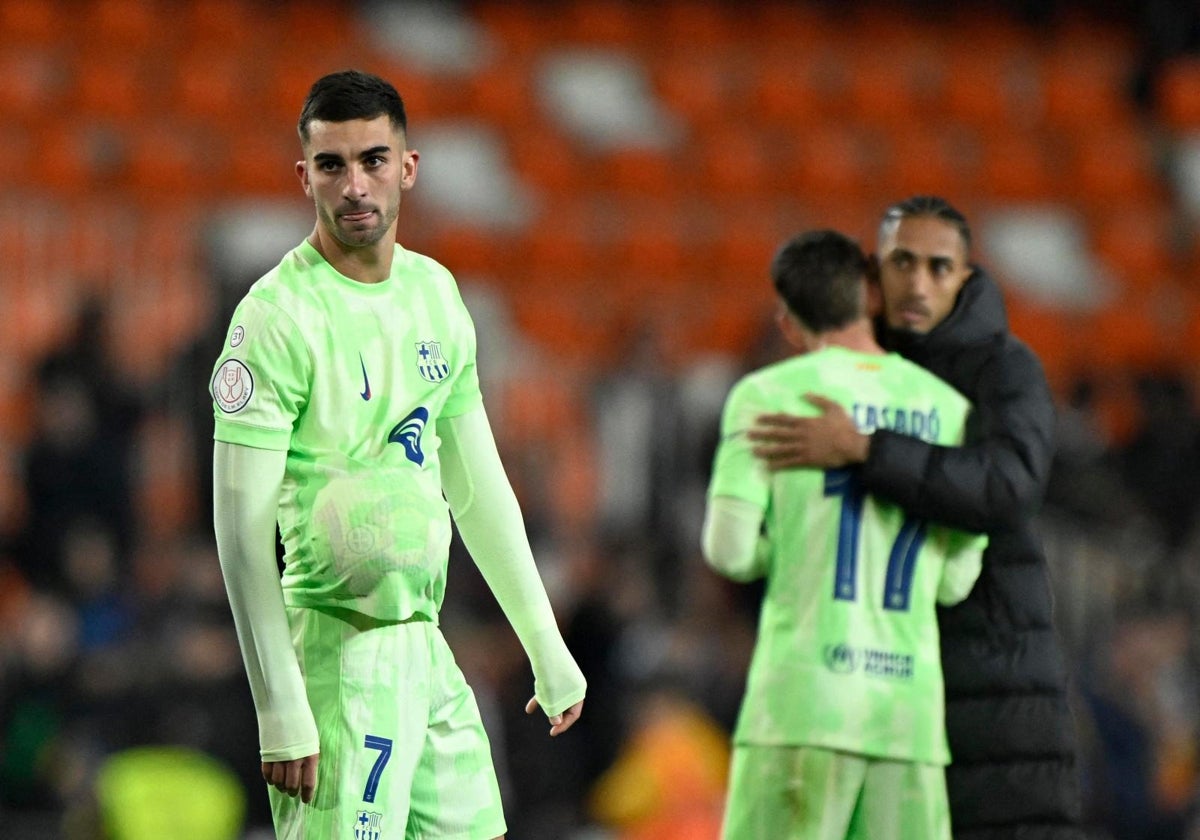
pixel 997 479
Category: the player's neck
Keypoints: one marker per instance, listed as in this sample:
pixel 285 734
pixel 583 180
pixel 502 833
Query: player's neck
pixel 858 337
pixel 365 264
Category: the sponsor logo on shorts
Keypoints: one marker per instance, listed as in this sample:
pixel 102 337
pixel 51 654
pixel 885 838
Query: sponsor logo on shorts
pixel 846 659
pixel 368 825
pixel 232 386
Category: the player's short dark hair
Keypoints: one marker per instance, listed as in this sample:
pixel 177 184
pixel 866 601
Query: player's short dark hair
pixel 932 206
pixel 351 95
pixel 820 275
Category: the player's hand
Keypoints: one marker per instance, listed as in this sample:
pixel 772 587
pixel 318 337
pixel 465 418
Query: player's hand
pixel 295 778
pixel 826 440
pixel 558 723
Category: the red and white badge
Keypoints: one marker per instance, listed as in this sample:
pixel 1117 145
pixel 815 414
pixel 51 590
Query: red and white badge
pixel 232 386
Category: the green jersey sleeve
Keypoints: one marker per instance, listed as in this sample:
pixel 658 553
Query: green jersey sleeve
pixel 736 471
pixel 465 394
pixel 261 380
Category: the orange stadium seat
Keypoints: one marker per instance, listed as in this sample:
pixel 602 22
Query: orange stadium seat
pixel 918 161
pixel 611 23
pixel 238 25
pixel 1133 336
pixel 310 26
pixel 700 26
pixel 1178 93
pixel 472 252
pixel 855 216
pixel 1135 242
pixel 563 246
pixel 743 242
pixel 1018 167
pixel 832 160
pixel 33 82
pixel 166 163
pixel 71 159
pixel 653 244
pixel 547 160
pixel 109 84
pixel 894 86
pixel 703 91
pixel 573 324
pixel 787 26
pixel 261 160
pixel 636 173
pixel 502 94
pixel 990 85
pixel 733 160
pixel 791 90
pixel 1056 335
pixel 213 85
pixel 522 29
pixel 1111 166
pixel 126 25
pixel 32 22
pixel 1086 90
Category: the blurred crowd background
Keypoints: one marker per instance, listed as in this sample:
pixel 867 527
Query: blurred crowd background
pixel 608 180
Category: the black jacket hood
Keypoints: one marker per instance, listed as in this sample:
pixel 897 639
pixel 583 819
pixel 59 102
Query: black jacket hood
pixel 978 315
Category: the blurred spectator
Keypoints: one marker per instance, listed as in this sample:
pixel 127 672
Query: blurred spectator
pixel 78 464
pixel 669 778
pixel 1142 692
pixel 1162 463
pixel 148 793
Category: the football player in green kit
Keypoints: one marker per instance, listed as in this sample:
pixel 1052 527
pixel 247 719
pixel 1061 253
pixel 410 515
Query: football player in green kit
pixel 841 732
pixel 348 411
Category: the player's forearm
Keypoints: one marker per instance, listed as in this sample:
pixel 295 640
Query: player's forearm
pixel 246 486
pixel 489 520
pixel 731 539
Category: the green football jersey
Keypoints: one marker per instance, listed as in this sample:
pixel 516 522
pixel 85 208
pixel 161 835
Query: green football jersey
pixel 847 655
pixel 350 379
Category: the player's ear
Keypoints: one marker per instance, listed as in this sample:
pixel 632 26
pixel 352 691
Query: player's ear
pixel 302 174
pixel 793 333
pixel 409 163
pixel 873 291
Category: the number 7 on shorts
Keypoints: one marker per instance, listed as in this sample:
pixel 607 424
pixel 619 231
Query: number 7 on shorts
pixel 384 745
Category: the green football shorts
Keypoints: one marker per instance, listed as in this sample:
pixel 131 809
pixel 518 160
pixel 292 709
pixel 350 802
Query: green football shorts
pixel 403 749
pixel 808 793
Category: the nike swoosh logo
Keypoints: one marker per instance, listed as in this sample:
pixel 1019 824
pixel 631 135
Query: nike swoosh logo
pixel 366 394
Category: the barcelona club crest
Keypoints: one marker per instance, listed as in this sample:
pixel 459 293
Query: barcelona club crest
pixel 430 361
pixel 367 825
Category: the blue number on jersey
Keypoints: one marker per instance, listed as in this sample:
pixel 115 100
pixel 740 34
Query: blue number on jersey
pixel 384 745
pixel 902 560
pixel 842 483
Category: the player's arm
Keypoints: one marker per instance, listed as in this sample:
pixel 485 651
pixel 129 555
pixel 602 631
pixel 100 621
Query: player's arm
pixel 489 519
pixel 732 540
pixel 998 478
pixel 739 489
pixel 246 485
pixel 964 562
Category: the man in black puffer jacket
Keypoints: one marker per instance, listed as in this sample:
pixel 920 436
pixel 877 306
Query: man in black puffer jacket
pixel 1011 732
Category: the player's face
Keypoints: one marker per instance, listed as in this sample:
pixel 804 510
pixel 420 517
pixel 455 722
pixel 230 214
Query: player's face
pixel 355 172
pixel 922 266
